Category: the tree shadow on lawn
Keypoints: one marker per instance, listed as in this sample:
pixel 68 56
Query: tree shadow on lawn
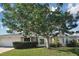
pixel 74 50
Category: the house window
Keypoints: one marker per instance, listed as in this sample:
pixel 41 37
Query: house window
pixel 41 41
pixel 33 39
pixel 66 41
pixel 27 39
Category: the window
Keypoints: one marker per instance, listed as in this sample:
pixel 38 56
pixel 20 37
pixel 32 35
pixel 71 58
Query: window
pixel 41 41
pixel 66 41
pixel 27 39
pixel 33 39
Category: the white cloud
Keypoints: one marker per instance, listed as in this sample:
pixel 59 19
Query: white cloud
pixel 70 5
pixel 1 9
pixel 73 9
pixel 1 27
pixel 54 8
pixel 7 28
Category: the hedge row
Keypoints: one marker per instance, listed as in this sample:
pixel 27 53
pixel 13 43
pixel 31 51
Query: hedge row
pixel 73 43
pixel 23 45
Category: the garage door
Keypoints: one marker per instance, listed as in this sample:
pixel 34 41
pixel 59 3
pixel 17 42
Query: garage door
pixel 8 42
pixel 5 42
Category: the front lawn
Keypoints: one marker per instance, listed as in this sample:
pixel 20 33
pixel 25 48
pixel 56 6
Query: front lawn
pixel 63 51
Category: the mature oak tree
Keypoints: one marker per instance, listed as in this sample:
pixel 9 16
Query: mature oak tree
pixel 37 18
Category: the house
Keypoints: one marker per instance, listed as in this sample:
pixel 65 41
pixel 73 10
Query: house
pixel 63 39
pixel 7 40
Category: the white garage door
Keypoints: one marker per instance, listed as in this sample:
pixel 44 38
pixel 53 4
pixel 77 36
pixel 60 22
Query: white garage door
pixel 8 42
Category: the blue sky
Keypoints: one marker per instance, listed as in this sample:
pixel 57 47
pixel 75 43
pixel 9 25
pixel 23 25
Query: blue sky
pixel 73 8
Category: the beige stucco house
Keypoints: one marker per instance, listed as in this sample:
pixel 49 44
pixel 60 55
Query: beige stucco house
pixel 7 40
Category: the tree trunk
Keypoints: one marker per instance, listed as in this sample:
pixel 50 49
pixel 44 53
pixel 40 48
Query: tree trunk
pixel 36 37
pixel 47 42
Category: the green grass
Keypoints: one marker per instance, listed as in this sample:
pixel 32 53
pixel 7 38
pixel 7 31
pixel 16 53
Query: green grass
pixel 63 51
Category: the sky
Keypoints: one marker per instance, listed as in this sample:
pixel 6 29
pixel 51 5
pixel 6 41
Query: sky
pixel 73 8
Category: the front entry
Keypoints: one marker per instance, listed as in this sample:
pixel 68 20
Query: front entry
pixel 41 41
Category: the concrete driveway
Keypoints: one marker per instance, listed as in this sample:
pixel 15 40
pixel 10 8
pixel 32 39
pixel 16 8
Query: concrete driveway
pixel 5 49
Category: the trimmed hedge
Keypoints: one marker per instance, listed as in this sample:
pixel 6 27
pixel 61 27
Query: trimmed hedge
pixel 23 45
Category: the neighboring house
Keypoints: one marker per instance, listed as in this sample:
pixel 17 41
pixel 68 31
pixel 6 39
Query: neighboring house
pixel 63 39
pixel 7 40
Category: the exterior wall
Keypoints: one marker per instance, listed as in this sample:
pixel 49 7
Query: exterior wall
pixel 52 40
pixel 63 40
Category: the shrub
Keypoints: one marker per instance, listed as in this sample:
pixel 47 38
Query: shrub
pixel 52 45
pixel 59 44
pixel 77 44
pixel 72 43
pixel 23 45
pixel 56 45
